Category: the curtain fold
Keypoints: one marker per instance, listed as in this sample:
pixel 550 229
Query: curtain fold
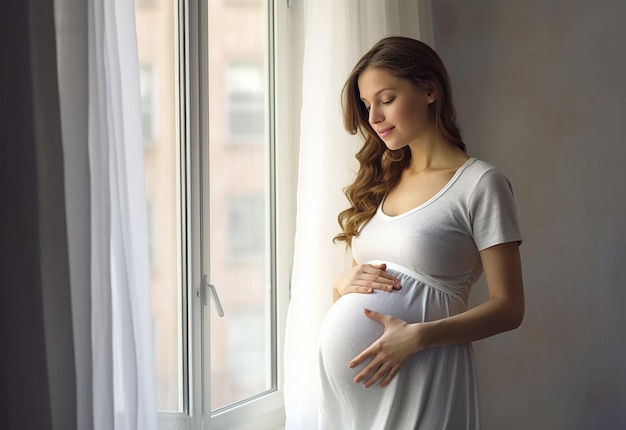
pixel 123 367
pixel 337 33
pixel 70 29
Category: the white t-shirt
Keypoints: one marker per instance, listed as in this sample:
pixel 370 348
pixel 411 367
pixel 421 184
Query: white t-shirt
pixel 441 238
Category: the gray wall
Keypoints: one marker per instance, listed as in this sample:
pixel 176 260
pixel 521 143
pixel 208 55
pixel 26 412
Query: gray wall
pixel 540 88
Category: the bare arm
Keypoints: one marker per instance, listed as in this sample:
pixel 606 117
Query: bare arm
pixel 502 311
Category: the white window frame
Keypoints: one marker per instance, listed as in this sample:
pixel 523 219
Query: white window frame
pixel 266 411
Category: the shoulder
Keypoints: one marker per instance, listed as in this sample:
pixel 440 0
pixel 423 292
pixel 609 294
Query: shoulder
pixel 485 173
pixel 491 207
pixel 491 193
pixel 484 181
pixel 480 173
pixel 479 167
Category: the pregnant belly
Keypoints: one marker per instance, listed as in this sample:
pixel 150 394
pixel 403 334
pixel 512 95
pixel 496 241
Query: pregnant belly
pixel 346 331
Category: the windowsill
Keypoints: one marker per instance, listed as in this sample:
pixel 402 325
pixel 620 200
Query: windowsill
pixel 266 412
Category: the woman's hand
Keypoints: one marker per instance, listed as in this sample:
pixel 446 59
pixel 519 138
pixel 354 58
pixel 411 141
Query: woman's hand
pixel 365 278
pixel 389 352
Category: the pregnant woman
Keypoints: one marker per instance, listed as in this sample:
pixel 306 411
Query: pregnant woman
pixel 425 221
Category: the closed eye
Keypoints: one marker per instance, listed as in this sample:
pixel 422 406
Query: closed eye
pixel 388 101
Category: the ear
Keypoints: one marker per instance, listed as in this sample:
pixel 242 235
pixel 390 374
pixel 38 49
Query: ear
pixel 431 93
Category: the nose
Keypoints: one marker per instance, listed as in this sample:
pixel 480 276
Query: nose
pixel 375 115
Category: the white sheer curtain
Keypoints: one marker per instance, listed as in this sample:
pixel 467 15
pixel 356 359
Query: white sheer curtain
pixel 123 381
pixel 118 371
pixel 337 33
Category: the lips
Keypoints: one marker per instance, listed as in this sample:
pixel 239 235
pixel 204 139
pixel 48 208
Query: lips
pixel 384 131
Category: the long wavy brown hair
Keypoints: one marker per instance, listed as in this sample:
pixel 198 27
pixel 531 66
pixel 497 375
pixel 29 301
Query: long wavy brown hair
pixel 380 168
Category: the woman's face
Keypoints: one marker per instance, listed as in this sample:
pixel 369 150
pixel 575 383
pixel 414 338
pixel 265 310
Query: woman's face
pixel 398 110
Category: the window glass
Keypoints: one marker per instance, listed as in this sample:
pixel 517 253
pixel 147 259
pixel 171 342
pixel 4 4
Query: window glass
pixel 246 333
pixel 148 102
pixel 240 198
pixel 246 227
pixel 151 232
pixel 156 38
pixel 246 101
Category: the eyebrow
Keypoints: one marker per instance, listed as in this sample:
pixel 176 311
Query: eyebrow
pixel 380 91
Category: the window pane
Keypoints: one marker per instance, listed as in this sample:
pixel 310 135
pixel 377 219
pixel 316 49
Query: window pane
pixel 241 361
pixel 245 88
pixel 246 227
pixel 155 36
pixel 148 102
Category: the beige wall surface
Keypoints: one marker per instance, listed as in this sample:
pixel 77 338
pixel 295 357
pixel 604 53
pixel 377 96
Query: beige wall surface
pixel 540 91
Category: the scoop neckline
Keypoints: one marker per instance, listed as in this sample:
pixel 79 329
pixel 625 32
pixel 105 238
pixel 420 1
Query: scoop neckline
pixel 437 195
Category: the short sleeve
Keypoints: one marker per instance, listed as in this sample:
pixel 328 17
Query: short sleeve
pixel 493 212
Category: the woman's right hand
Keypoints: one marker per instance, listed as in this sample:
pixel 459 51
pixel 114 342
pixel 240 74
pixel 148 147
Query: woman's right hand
pixel 365 278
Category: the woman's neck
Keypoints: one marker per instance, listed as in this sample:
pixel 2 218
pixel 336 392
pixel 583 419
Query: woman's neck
pixel 434 152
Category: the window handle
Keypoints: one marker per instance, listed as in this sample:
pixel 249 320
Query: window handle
pixel 210 289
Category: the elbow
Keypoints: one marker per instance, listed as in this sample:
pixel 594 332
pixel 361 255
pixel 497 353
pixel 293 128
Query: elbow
pixel 516 322
pixel 514 319
pixel 510 315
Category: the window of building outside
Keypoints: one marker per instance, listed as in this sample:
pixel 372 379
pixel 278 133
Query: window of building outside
pixel 151 232
pixel 245 86
pixel 240 357
pixel 148 102
pixel 246 220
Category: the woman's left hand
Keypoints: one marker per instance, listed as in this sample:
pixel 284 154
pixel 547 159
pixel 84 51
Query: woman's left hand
pixel 389 352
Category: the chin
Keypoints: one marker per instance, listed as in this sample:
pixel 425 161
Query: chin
pixel 394 146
